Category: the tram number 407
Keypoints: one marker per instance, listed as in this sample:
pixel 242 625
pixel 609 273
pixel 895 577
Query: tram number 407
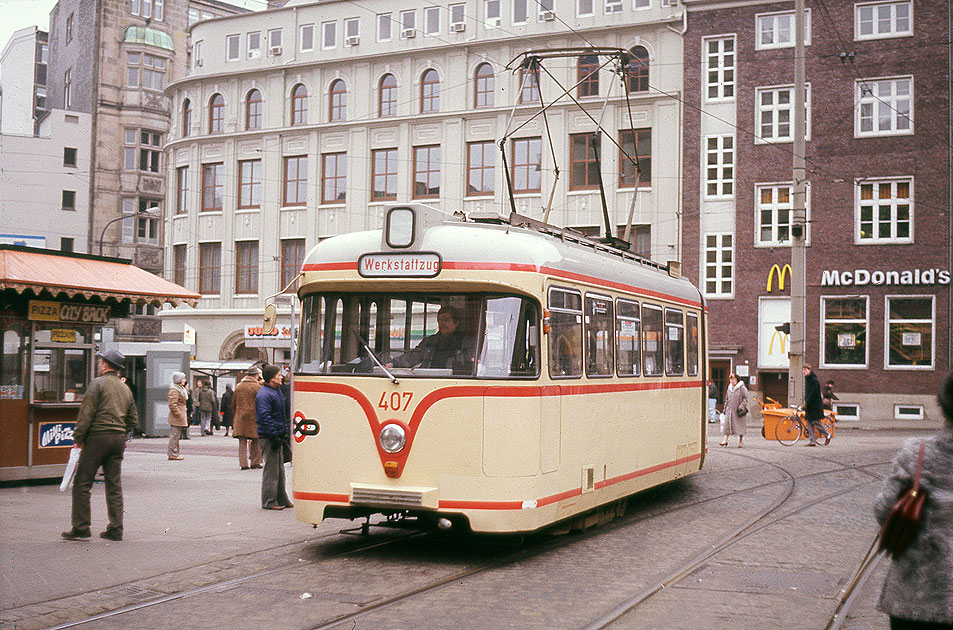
pixel 396 401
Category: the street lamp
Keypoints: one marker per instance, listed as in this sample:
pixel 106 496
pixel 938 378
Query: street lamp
pixel 147 212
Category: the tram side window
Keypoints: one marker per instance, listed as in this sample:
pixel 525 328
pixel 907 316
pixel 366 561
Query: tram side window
pixel 628 346
pixel 510 345
pixel 674 342
pixel 691 347
pixel 652 339
pixel 312 328
pixel 565 333
pixel 598 336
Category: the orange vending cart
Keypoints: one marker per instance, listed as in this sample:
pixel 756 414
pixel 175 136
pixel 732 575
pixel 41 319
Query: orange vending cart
pixel 53 303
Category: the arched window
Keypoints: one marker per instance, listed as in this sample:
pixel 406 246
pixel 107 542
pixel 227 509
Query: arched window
pixel 483 86
pixel 338 100
pixel 430 91
pixel 253 110
pixel 638 78
pixel 299 105
pixel 216 114
pixel 186 117
pixel 588 76
pixel 388 96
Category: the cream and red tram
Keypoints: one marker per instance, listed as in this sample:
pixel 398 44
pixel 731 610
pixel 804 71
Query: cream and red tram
pixel 580 379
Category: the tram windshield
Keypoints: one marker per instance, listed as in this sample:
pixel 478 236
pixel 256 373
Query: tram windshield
pixel 464 335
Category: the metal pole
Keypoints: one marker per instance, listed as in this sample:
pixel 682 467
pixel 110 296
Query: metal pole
pixel 798 222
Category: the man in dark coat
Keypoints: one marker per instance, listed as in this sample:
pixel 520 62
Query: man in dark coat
pixel 272 436
pixel 813 406
pixel 448 348
pixel 227 408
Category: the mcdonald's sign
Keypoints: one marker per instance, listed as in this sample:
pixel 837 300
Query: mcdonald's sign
pixel 782 341
pixel 781 272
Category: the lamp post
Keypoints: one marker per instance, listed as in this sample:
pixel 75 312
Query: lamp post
pixel 147 212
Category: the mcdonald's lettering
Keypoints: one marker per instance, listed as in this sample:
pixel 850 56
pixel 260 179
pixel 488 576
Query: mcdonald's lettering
pixel 782 341
pixel 781 272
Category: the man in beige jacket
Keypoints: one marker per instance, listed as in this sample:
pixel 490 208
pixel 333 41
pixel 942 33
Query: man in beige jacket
pixel 244 424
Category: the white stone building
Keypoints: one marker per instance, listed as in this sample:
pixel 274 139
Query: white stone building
pixel 304 122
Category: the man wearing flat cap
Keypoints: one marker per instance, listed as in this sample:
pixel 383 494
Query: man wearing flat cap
pixel 107 414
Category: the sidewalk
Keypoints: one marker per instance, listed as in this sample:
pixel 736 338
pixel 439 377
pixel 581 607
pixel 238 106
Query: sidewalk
pixel 177 514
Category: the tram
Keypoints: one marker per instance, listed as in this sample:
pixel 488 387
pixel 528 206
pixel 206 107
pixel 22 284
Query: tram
pixel 494 376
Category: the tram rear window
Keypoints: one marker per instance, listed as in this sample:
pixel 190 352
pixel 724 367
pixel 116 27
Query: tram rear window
pixel 437 335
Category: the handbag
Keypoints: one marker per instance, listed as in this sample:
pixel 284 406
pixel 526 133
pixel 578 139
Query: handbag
pixel 903 522
pixel 742 410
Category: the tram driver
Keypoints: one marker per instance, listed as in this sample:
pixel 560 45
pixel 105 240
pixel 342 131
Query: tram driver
pixel 448 348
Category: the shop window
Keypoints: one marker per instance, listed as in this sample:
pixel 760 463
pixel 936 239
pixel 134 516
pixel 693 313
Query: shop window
pixel 599 325
pixel 565 333
pixel 13 363
pixel 844 331
pixel 628 334
pixel 910 323
pixel 61 362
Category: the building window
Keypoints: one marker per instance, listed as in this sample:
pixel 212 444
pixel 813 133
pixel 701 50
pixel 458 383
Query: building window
pixel 491 13
pixel 585 8
pixel 210 268
pixel 254 44
pixel 543 9
pixel 68 88
pixel 197 58
pixel 147 227
pixel 352 31
pixel 69 156
pixel 527 165
pixel 719 264
pixel 775 107
pixel 720 68
pixel 429 91
pixel 584 166
pixel 719 167
pixel 847 411
pixel 292 257
pixel 186 118
pixel 274 41
pixel 388 96
pixel 329 35
pixel 69 200
pixel 844 331
pixel 150 149
pixel 481 168
pixel 334 178
pixel 384 22
pixel 587 76
pixel 249 184
pixel 636 146
pixel 458 17
pixel 483 86
pixel 432 20
pixel 383 174
pixel 246 267
pixel 907 412
pixel 338 101
pixel 529 85
pixel 306 38
pixel 637 78
pixel 296 181
pixel 774 207
pixel 776 30
pixel 153 9
pixel 299 105
pixel 232 47
pixel 884 107
pixel 216 114
pixel 178 264
pixel 910 322
pixel 520 11
pixel 884 211
pixel 213 187
pixel 426 172
pixel 253 110
pixel 69 28
pixel 145 70
pixel 878 20
pixel 182 190
pixel 408 24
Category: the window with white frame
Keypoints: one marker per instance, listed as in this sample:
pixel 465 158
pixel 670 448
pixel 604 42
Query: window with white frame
pixel 142 150
pixel 719 264
pixel 520 11
pixel 908 412
pixel 544 10
pixel 884 211
pixel 774 206
pixel 720 166
pixel 329 35
pixel 306 39
pixel 847 411
pixel 844 328
pixel 152 9
pixel 196 15
pixel 776 30
pixel 458 16
pixel 274 38
pixel 774 113
pixel 491 12
pixel 254 44
pixel 641 4
pixel 720 68
pixel 884 107
pixel 197 57
pixel 584 7
pixel 880 20
pixel 384 23
pixel 432 20
pixel 352 31
pixel 232 46
pixel 408 24
pixel 612 6
pixel 146 71
pixel 910 330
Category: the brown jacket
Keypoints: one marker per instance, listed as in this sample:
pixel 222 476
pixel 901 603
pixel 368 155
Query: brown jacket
pixel 177 408
pixel 243 403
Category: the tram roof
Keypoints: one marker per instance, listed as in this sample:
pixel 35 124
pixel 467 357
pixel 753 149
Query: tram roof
pixel 464 244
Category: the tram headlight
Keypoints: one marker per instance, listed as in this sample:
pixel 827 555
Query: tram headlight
pixel 393 438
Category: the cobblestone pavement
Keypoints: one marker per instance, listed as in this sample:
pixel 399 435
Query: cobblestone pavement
pixel 195 527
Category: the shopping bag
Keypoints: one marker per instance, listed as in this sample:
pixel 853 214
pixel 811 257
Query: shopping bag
pixel 70 468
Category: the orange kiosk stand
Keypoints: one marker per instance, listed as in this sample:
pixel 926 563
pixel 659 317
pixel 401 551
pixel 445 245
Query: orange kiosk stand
pixel 53 303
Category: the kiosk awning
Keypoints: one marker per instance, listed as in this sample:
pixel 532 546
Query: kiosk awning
pixel 37 270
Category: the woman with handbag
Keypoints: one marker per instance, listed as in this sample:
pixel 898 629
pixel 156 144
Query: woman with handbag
pixel 918 590
pixel 735 410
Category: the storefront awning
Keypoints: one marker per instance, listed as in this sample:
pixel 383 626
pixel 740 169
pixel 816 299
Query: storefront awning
pixel 38 270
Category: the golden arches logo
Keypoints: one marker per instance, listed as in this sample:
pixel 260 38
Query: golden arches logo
pixel 781 272
pixel 782 341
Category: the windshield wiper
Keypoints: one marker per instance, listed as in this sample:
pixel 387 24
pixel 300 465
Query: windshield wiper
pixel 372 355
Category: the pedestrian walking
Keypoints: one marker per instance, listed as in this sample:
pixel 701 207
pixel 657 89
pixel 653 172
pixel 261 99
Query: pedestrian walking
pixel 712 401
pixel 918 589
pixel 828 397
pixel 227 413
pixel 245 425
pixel 189 406
pixel 107 413
pixel 813 407
pixel 207 402
pixel 272 437
pixel 735 410
pixel 178 397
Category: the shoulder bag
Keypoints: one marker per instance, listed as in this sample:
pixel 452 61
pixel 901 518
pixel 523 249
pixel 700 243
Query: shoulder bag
pixel 903 522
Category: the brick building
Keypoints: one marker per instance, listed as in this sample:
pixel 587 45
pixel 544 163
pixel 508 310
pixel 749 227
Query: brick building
pixel 878 202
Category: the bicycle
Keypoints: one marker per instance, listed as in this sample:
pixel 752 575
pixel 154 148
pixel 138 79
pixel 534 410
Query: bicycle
pixel 794 427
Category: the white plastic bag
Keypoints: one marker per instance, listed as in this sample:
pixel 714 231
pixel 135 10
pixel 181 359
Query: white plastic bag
pixel 70 468
pixel 724 425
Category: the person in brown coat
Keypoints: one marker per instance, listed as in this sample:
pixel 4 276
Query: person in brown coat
pixel 243 418
pixel 178 418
